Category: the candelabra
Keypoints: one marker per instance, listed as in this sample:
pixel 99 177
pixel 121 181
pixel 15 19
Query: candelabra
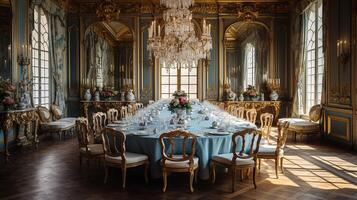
pixel 342 51
pixel 23 55
pixel 24 60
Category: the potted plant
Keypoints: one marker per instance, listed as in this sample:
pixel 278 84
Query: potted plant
pixel 7 91
pixel 251 93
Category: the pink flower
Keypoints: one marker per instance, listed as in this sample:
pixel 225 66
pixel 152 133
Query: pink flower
pixel 11 88
pixel 183 100
pixel 8 101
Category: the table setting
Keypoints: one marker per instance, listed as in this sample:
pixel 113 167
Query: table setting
pixel 212 126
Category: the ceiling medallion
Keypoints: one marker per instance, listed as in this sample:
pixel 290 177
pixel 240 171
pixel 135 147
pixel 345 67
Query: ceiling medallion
pixel 174 42
pixel 247 13
pixel 107 10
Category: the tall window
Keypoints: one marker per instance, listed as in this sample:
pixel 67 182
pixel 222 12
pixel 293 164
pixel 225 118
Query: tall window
pixel 314 57
pixel 250 64
pixel 40 61
pixel 179 79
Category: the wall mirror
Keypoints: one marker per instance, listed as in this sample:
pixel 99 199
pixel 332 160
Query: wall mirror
pixel 246 55
pixel 108 56
pixel 5 38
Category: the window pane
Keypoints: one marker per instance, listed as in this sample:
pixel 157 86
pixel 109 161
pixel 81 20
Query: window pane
pixel 184 80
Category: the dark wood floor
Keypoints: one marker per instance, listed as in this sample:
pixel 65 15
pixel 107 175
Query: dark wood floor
pixel 52 172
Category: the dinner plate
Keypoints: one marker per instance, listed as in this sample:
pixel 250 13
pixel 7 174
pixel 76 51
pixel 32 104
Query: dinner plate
pixel 113 125
pixel 142 133
pixel 218 133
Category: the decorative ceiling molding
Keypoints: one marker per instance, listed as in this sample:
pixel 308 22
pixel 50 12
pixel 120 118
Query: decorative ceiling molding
pixel 248 12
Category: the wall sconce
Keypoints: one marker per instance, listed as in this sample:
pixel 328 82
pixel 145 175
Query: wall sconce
pixel 342 51
pixel 24 53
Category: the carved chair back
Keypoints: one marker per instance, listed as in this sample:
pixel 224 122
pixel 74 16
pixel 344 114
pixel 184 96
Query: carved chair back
pixel 44 114
pixel 251 115
pixel 249 144
pixel 123 112
pixel 315 113
pixel 114 143
pixel 282 136
pixel 130 110
pixel 99 122
pixel 112 115
pixel 266 122
pixel 239 112
pixel 139 105
pixel 83 131
pixel 175 137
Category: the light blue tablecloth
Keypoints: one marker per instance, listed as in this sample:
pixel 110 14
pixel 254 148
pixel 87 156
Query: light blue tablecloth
pixel 207 146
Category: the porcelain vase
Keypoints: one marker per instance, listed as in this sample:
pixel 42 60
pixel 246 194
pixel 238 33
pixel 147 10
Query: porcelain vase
pixel 274 96
pixel 130 96
pixel 87 95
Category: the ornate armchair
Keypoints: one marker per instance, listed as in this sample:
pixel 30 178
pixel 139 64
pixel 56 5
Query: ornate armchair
pixel 243 159
pixel 99 123
pixel 275 152
pixel 116 156
pixel 185 162
pixel 87 148
pixel 305 126
pixel 60 126
pixel 266 122
pixel 112 115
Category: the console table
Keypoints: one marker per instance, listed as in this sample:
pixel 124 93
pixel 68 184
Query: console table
pixel 272 107
pixel 21 117
pixel 102 105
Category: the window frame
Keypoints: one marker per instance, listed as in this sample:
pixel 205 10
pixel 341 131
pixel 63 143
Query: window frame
pixel 43 58
pixel 251 65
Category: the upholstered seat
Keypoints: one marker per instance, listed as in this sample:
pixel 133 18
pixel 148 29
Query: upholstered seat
pixel 180 164
pixel 305 126
pixel 130 158
pixel 57 125
pixel 227 159
pixel 68 119
pixel 93 149
pixel 267 149
pixel 300 125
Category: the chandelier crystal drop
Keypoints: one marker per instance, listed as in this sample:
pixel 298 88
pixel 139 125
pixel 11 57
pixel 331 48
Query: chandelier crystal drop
pixel 174 42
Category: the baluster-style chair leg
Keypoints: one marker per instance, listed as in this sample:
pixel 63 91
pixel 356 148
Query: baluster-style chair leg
pixel 213 169
pixel 124 176
pixel 281 165
pixel 254 170
pixel 196 172
pixel 276 167
pixel 234 174
pixel 259 160
pixel 192 174
pixel 164 177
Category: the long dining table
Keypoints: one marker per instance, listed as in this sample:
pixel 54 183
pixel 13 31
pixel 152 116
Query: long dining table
pixel 212 127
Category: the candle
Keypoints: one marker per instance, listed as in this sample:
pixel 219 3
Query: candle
pixel 159 30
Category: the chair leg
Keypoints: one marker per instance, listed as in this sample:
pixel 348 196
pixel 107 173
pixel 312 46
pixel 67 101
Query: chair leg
pixel 146 172
pixel 281 165
pixel 196 174
pixel 106 171
pixel 192 175
pixel 213 169
pixel 124 177
pixel 164 177
pixel 241 172
pixel 234 174
pixel 276 167
pixel 259 160
pixel 254 170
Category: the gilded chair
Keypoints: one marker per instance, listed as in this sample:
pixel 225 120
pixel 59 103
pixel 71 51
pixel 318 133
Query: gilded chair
pixel 99 123
pixel 47 125
pixel 115 155
pixel 230 109
pixel 266 122
pixel 275 152
pixel 130 110
pixel 113 115
pixel 186 162
pixel 251 115
pixel 87 148
pixel 239 112
pixel 301 126
pixel 220 105
pixel 241 159
pixel 123 112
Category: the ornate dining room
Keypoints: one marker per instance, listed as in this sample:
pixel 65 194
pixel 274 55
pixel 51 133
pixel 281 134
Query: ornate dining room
pixel 178 99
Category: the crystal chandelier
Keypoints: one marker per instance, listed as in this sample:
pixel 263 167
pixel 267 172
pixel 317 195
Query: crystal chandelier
pixel 175 43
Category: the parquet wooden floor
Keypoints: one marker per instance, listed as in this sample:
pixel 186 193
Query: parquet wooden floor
pixel 312 171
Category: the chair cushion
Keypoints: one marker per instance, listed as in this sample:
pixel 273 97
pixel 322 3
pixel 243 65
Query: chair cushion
pixel 130 158
pixel 315 113
pixel 93 149
pixel 267 149
pixel 57 125
pixel 68 119
pixel 303 125
pixel 180 164
pixel 227 159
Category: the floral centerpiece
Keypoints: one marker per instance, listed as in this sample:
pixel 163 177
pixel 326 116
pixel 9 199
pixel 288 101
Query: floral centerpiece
pixel 251 93
pixel 180 101
pixel 7 91
pixel 108 93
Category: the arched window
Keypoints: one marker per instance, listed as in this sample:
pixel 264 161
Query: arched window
pixel 40 59
pixel 179 79
pixel 314 57
pixel 250 67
